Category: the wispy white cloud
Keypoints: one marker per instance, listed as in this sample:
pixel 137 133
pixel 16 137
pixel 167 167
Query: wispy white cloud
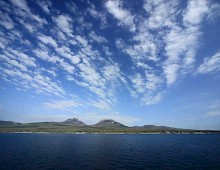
pixel 151 98
pixel 23 71
pixel 177 41
pixel 107 51
pixel 213 12
pixel 99 15
pixel 47 40
pixel 6 21
pixel 160 13
pixel 97 38
pixel 22 9
pixel 82 40
pixel 182 42
pixel 45 5
pixel 212 114
pixel 171 72
pixel 210 64
pixel 124 16
pixel 195 12
pixel 62 104
pixel 67 53
pixel 44 55
pixel 64 24
pixel 13 63
pixel 22 57
pixel 71 6
pixel 147 88
pixel 101 104
pixel 139 83
pixel 51 71
pixel 67 67
pixel 22 4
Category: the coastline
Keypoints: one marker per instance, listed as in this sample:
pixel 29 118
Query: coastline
pixel 113 133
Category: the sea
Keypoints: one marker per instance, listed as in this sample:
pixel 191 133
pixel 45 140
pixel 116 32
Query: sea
pixel 109 151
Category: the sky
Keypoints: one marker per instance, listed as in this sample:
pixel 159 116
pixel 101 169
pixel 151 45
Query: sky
pixel 137 62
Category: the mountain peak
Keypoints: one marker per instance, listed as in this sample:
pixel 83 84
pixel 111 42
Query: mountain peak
pixel 74 121
pixel 109 122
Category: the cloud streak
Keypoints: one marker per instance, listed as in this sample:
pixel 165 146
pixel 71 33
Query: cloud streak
pixel 210 64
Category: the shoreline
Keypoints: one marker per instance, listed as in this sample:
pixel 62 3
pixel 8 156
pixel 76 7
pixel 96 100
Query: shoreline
pixel 100 133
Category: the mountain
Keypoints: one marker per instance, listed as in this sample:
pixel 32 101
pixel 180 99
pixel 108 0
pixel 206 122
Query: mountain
pixel 7 122
pixel 108 123
pixel 74 121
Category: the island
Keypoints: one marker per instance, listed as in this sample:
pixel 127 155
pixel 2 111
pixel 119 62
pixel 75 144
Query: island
pixel 106 126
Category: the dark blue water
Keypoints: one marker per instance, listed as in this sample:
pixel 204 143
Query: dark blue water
pixel 69 151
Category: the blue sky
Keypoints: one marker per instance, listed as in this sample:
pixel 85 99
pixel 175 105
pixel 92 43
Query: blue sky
pixel 137 62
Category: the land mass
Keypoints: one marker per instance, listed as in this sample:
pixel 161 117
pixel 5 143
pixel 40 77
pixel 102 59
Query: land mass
pixel 74 125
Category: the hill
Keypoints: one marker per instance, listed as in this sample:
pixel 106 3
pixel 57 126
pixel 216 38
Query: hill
pixel 154 127
pixel 108 123
pixel 74 121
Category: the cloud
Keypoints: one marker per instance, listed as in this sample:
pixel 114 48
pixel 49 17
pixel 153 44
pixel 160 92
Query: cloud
pixel 160 13
pixel 210 64
pixel 22 9
pixel 71 6
pixel 112 73
pixel 139 83
pixel 124 16
pixel 107 51
pixel 146 87
pixel 153 81
pixel 67 53
pixel 55 58
pixel 101 104
pixel 62 104
pixel 171 52
pixel 195 12
pixel 51 71
pixel 98 15
pixel 212 114
pixel 44 55
pixel 47 40
pixel 213 12
pixel 22 57
pixel 16 73
pixel 22 71
pixel 82 40
pixel 44 84
pixel 97 38
pixel 45 5
pixel 22 4
pixel 6 21
pixel 182 42
pixel 151 98
pixel 171 72
pixel 64 24
pixel 14 63
pixel 67 67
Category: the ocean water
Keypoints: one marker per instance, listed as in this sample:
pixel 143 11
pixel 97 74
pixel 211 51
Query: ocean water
pixel 100 151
